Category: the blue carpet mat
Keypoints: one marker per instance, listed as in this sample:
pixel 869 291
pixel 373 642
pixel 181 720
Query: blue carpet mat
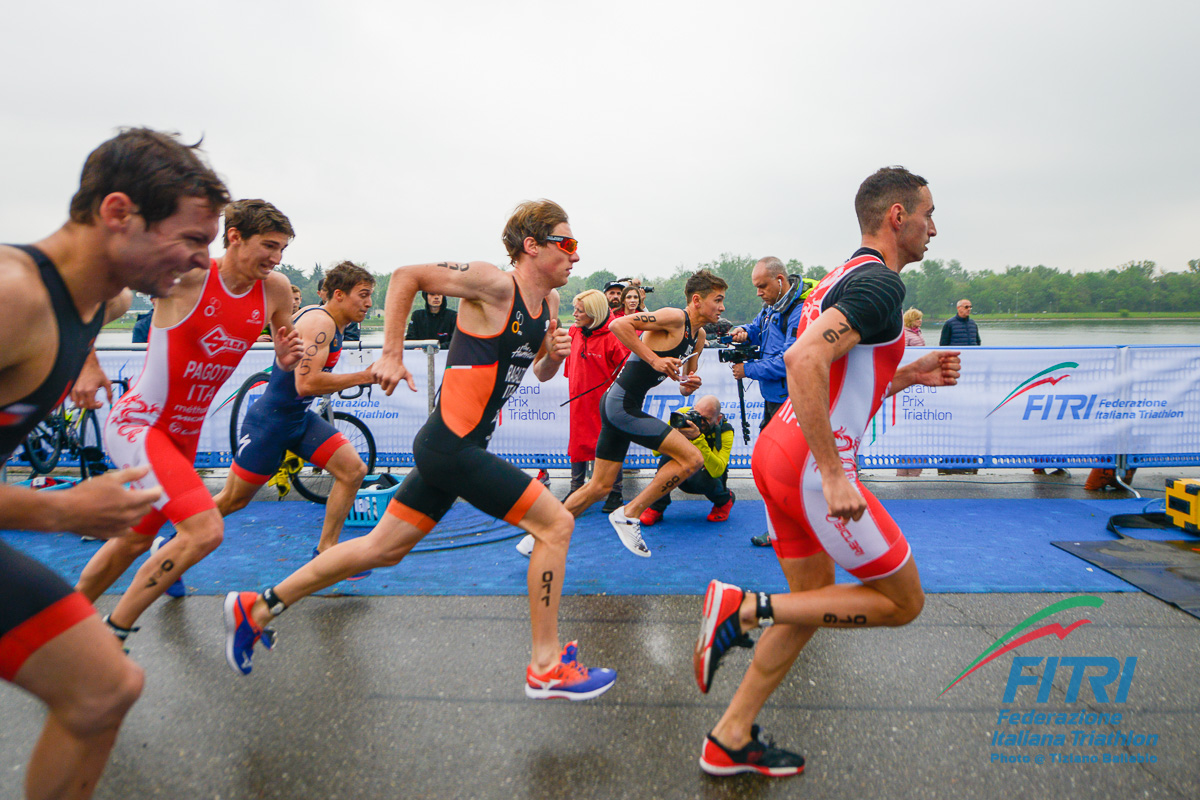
pixel 959 545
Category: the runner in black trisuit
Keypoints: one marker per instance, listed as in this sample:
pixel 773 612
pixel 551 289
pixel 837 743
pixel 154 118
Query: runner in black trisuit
pixel 145 213
pixel 670 349
pixel 507 323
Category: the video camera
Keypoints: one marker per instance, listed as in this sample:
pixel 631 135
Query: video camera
pixel 731 352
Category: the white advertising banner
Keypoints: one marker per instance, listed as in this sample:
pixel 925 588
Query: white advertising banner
pixel 1014 403
pixel 1011 405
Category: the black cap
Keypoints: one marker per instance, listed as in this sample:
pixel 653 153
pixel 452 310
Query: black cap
pixel 613 285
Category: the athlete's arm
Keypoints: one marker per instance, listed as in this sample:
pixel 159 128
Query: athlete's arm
pixel 317 332
pixel 289 347
pixel 939 368
pixel 808 362
pixel 555 347
pixel 475 281
pixel 101 507
pixel 691 380
pixel 91 377
pixel 664 319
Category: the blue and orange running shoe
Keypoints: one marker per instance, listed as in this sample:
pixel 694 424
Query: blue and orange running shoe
pixel 241 632
pixel 569 679
pixel 720 629
pixel 757 756
pixel 176 589
pixel 358 576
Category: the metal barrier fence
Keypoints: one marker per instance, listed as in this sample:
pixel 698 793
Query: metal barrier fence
pixel 1013 408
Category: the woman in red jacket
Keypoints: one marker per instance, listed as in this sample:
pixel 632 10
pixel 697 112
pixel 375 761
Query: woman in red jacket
pixel 596 357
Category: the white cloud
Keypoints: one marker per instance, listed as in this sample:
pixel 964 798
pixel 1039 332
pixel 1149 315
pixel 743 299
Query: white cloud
pixel 1054 133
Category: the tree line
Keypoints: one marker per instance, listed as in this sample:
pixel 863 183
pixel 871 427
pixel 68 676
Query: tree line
pixel 934 286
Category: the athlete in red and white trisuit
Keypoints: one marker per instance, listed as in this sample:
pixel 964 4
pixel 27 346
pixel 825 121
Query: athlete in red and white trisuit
pixel 198 337
pixel 841 367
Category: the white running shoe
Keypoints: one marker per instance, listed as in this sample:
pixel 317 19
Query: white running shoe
pixel 630 531
pixel 525 546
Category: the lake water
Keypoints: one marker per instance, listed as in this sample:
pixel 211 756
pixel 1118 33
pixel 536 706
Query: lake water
pixel 1051 333
pixel 1058 333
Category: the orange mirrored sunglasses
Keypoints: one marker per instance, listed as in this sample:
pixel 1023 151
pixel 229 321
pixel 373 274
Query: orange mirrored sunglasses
pixel 565 243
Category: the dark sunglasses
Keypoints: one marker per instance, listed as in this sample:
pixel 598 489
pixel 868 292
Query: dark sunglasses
pixel 565 243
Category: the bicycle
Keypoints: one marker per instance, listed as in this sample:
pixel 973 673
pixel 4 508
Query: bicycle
pixel 311 482
pixel 74 432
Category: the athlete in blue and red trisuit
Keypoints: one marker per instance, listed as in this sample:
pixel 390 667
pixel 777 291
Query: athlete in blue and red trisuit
pixel 841 367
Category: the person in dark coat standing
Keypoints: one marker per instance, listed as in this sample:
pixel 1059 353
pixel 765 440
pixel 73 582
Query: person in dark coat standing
pixel 435 321
pixel 960 330
pixel 596 357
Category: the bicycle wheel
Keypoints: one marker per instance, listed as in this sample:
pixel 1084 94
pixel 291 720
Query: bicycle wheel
pixel 91 445
pixel 241 404
pixel 44 443
pixel 314 483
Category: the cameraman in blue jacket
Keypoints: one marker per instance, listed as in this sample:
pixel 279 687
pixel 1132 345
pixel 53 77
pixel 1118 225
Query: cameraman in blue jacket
pixel 773 330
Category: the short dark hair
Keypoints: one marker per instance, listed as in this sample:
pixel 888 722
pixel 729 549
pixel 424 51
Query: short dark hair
pixel 702 283
pixel 252 217
pixel 154 169
pixel 536 218
pixel 344 277
pixel 878 193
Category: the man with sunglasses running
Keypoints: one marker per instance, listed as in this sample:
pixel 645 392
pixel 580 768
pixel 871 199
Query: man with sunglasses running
pixel 840 368
pixel 507 323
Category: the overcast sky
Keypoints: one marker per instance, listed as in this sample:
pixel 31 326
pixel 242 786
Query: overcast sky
pixel 1059 133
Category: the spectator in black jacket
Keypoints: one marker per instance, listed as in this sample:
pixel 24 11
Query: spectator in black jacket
pixel 960 330
pixel 141 328
pixel 435 321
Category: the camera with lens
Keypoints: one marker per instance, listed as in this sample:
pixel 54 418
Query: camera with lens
pixel 733 352
pixel 643 287
pixel 680 419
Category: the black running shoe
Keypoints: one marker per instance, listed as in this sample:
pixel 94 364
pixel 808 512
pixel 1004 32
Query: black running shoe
pixel 613 502
pixel 757 756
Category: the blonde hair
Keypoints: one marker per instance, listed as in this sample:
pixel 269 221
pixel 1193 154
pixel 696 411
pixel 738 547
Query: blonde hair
pixel 911 317
pixel 595 305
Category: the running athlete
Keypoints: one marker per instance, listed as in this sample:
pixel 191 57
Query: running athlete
pixel 280 421
pixel 507 322
pixel 839 370
pixel 146 209
pixel 197 339
pixel 670 349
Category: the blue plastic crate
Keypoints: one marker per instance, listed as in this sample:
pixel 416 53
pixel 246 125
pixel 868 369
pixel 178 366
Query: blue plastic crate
pixel 372 500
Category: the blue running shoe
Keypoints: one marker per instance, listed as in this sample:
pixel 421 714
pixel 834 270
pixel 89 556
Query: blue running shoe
pixel 569 679
pixel 176 589
pixel 241 633
pixel 358 576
